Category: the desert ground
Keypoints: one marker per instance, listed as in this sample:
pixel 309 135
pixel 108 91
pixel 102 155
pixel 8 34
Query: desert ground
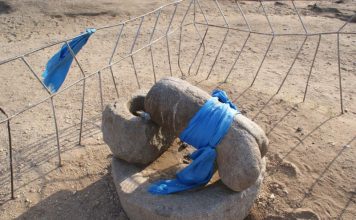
pixel 311 163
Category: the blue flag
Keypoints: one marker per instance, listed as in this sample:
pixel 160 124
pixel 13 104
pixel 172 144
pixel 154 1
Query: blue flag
pixel 58 66
pixel 204 132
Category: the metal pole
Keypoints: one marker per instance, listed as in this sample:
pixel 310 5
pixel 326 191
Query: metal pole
pixel 10 154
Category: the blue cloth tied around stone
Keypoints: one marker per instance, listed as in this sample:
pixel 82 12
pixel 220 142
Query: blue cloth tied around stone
pixel 58 66
pixel 204 132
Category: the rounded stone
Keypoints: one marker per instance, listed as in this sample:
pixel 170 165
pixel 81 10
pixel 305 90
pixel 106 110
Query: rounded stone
pixel 172 103
pixel 129 135
pixel 214 201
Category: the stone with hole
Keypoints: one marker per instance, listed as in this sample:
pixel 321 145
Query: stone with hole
pixel 131 135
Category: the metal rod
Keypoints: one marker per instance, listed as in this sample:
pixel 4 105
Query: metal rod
pixel 277 34
pixel 132 48
pixel 10 155
pixel 300 18
pixel 137 33
pixel 180 38
pixel 311 68
pixel 83 95
pixel 348 21
pixel 264 11
pixel 112 56
pixel 135 72
pixel 217 55
pixel 167 39
pixel 57 133
pixel 116 43
pixel 238 56
pixel 263 60
pixel 202 43
pixel 33 72
pixel 101 91
pixel 243 15
pixel 292 65
pixel 339 70
pixel 151 52
pixel 223 41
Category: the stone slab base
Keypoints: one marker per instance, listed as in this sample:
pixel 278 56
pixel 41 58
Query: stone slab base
pixel 214 201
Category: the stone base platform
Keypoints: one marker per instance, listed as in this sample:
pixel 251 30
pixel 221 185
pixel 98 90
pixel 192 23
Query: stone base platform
pixel 214 201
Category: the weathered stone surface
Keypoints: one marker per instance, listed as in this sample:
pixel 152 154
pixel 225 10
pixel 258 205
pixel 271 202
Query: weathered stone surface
pixel 131 137
pixel 215 201
pixel 173 102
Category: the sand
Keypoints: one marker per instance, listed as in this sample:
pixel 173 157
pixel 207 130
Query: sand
pixel 311 162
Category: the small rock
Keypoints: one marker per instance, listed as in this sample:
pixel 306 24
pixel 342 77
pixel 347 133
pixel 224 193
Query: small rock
pixel 185 161
pixel 278 4
pixel 272 196
pixel 346 146
pixel 285 191
pixel 332 143
pixel 28 201
pixel 299 129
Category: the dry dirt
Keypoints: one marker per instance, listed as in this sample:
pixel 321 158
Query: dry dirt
pixel 311 163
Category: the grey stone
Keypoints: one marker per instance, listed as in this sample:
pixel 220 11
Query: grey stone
pixel 172 103
pixel 130 137
pixel 214 201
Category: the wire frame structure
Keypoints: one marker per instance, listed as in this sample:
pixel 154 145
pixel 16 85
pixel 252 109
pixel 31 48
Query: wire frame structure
pixel 180 16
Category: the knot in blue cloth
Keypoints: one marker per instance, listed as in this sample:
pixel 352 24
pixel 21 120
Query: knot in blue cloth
pixel 204 132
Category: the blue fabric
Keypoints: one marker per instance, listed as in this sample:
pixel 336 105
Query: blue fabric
pixel 204 132
pixel 58 66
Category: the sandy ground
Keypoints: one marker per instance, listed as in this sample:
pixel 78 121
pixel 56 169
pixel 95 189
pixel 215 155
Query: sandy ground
pixel 311 162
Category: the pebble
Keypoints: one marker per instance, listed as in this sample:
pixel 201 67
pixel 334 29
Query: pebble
pixel 28 200
pixel 332 143
pixel 272 196
pixel 299 129
pixel 347 146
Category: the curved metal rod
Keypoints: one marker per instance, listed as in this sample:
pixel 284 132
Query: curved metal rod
pixel 339 70
pixel 263 60
pixel 112 56
pixel 167 39
pixel 150 48
pixel 292 65
pixel 180 38
pixel 202 39
pixel 10 154
pixel 132 48
pixel 311 68
pixel 224 39
pixel 238 56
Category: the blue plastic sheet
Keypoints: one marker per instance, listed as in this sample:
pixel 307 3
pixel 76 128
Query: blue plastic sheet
pixel 58 66
pixel 204 132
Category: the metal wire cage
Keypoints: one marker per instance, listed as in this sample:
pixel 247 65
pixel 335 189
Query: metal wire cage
pixel 193 39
